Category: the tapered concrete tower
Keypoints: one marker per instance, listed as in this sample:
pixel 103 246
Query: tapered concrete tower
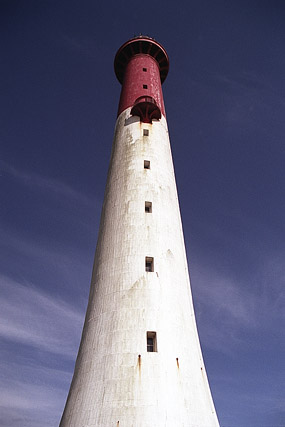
pixel 140 362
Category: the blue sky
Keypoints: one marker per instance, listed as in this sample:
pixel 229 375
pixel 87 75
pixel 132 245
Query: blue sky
pixel 225 102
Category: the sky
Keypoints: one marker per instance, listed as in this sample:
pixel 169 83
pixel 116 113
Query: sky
pixel 225 105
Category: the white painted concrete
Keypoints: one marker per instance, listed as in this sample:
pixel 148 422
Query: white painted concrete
pixel 112 385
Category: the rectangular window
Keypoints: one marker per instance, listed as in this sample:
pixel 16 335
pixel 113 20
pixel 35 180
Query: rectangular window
pixel 151 342
pixel 149 264
pixel 145 132
pixel 146 164
pixel 148 207
pixel 145 70
pixel 145 86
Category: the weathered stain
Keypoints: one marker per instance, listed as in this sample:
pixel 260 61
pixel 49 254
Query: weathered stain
pixel 169 254
pixel 138 284
pixel 178 373
pixel 129 136
pixel 139 365
pixel 118 423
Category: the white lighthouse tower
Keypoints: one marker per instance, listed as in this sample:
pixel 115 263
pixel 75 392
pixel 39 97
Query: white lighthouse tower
pixel 139 363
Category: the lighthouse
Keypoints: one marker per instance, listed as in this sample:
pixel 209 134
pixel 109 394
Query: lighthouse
pixel 140 363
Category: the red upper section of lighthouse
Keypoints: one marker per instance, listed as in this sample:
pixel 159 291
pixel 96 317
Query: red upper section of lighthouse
pixel 141 45
pixel 141 65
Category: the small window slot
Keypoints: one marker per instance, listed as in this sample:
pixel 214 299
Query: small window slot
pixel 148 207
pixel 144 86
pixel 145 132
pixel 151 342
pixel 146 164
pixel 145 70
pixel 149 267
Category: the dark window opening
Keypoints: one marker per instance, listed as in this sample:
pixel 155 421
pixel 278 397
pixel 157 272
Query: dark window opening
pixel 145 132
pixel 151 342
pixel 145 86
pixel 145 70
pixel 149 264
pixel 146 164
pixel 148 207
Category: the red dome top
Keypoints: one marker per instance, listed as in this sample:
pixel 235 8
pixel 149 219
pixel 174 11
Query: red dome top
pixel 141 45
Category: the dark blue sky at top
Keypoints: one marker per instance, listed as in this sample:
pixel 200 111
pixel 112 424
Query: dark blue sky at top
pixel 225 102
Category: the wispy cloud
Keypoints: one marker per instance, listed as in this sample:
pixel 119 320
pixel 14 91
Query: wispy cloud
pixel 228 309
pixel 243 97
pixel 50 185
pixel 57 258
pixel 251 81
pixel 31 392
pixel 31 395
pixel 85 46
pixel 31 317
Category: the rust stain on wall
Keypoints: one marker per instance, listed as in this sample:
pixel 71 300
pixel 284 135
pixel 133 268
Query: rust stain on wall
pixel 139 365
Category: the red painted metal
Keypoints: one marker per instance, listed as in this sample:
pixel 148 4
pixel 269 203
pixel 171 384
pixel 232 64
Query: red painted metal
pixel 146 108
pixel 141 64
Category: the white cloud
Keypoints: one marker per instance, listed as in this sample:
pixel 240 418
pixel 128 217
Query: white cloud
pixel 85 46
pixel 31 317
pixel 24 404
pixel 228 309
pixel 53 186
pixel 31 393
pixel 45 252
